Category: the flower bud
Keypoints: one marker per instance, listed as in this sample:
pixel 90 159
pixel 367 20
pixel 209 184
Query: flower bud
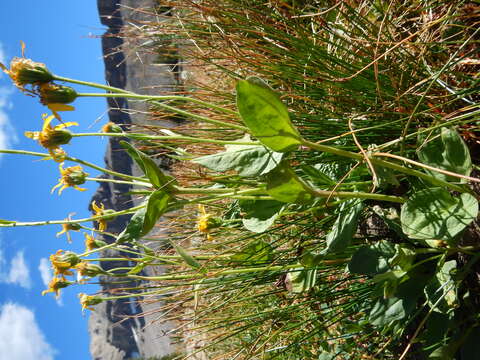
pixel 25 71
pixel 55 285
pixel 91 243
pixel 56 94
pixel 63 261
pixel 111 127
pixel 88 300
pixel 88 269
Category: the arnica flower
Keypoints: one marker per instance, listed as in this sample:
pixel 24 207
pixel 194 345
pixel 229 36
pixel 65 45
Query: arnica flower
pixel 206 222
pixel 111 127
pixel 63 261
pixel 69 227
pixel 88 300
pixel 52 137
pixel 55 285
pixel 87 269
pixel 71 177
pixel 56 97
pixel 27 72
pixel 91 243
pixel 100 211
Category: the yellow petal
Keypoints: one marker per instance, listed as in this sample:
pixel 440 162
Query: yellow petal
pixel 67 124
pixel 60 107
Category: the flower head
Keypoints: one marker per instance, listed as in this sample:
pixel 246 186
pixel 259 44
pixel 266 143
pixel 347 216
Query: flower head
pixel 88 300
pixel 63 261
pixel 87 269
pixel 69 227
pixel 206 222
pixel 51 137
pixel 27 72
pixel 111 127
pixel 100 211
pixel 91 243
pixel 71 177
pixel 56 97
pixel 55 285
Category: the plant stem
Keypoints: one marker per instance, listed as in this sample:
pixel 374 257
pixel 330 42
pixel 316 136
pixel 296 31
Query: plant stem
pixel 160 98
pixel 92 84
pixel 69 158
pixel 138 136
pixel 389 165
pixel 67 221
pixel 144 183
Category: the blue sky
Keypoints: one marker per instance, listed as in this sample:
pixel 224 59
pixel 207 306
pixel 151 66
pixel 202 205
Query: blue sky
pixel 65 36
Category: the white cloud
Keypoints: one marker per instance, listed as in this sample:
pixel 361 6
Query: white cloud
pixel 45 271
pixel 19 273
pixel 20 336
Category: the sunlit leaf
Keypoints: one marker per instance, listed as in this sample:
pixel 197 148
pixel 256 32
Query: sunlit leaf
pixel 266 116
pixel 435 214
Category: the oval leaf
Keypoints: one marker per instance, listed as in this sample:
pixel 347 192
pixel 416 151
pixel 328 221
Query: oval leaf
pixel 447 152
pixel 266 116
pixel 434 214
pixel 259 215
pixel 151 170
pixel 144 219
pixel 247 160
pixel 284 185
pixel 345 226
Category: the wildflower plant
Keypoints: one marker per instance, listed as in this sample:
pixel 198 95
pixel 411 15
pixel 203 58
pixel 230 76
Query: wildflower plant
pixel 329 134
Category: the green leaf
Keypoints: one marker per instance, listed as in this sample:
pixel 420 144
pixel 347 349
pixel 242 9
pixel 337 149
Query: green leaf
pixel 151 170
pixel 442 286
pixel 318 177
pixel 434 214
pixel 144 219
pixel 247 160
pixel 259 215
pixel 256 252
pixel 386 311
pixel 266 116
pixel 189 259
pixel 140 266
pixel 397 307
pixel 373 259
pixel 447 152
pixel 345 226
pixel 284 185
pixel 302 280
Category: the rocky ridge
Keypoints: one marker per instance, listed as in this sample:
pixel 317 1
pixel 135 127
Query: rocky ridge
pixel 125 329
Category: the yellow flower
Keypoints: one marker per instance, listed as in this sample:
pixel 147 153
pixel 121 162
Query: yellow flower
pixel 71 177
pixel 69 227
pixel 202 222
pixel 55 285
pixel 88 300
pixel 91 243
pixel 100 211
pixel 25 71
pixel 62 262
pixel 52 137
pixel 111 127
pixel 87 269
pixel 56 97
